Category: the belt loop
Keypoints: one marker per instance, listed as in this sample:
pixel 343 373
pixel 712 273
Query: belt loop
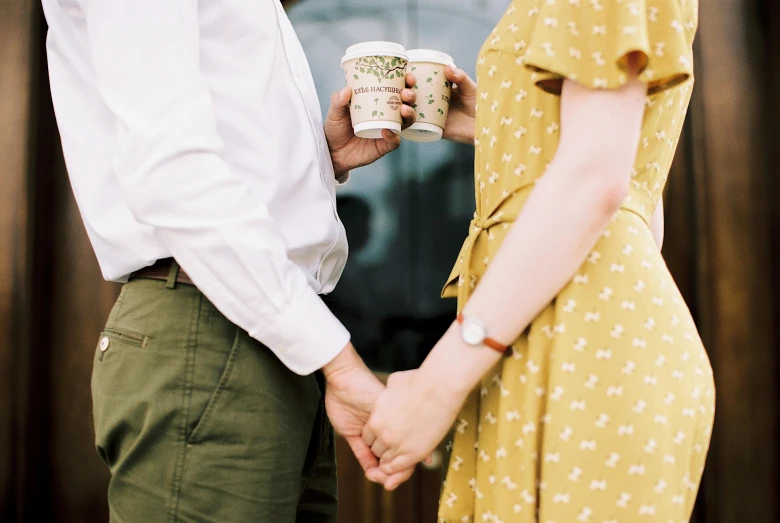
pixel 173 275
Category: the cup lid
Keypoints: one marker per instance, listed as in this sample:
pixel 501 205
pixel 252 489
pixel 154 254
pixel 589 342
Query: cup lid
pixel 374 49
pixel 431 56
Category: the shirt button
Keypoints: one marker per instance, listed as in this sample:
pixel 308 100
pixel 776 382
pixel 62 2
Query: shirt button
pixel 104 343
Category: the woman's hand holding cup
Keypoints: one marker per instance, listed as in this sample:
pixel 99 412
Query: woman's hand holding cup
pixel 461 126
pixel 458 114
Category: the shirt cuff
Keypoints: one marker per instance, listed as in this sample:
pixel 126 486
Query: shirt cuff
pixel 306 336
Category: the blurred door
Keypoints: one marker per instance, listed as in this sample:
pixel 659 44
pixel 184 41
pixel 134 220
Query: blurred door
pixel 722 247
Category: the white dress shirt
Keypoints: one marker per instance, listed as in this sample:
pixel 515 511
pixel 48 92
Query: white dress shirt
pixel 192 129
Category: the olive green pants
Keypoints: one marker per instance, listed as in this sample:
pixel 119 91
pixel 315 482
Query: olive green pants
pixel 199 422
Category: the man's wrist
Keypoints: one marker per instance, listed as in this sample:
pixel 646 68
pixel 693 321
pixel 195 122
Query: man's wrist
pixel 463 134
pixel 346 362
pixel 469 137
pixel 468 133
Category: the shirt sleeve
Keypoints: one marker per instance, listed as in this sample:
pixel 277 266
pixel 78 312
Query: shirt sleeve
pixel 589 42
pixel 171 167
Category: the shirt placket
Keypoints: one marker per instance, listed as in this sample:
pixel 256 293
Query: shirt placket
pixel 305 86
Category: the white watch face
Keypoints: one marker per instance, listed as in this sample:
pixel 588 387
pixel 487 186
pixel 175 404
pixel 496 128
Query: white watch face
pixel 473 333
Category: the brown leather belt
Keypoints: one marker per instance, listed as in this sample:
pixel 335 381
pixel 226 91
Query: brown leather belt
pixel 161 270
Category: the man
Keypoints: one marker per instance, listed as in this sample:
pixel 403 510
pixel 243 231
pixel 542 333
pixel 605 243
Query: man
pixel 192 132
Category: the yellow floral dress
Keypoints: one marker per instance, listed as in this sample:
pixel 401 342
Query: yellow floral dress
pixel 603 411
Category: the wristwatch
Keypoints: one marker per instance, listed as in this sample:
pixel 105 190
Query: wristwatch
pixel 474 332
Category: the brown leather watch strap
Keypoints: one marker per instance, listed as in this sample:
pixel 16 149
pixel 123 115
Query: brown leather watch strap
pixel 488 342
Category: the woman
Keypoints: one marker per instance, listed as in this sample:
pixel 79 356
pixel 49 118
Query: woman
pixel 602 408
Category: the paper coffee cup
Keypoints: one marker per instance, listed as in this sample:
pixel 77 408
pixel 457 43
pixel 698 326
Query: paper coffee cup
pixel 376 73
pixel 433 94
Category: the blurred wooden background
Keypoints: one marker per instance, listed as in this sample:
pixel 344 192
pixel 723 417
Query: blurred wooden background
pixel 723 246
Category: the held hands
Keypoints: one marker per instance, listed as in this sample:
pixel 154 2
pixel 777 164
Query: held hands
pixel 392 429
pixel 418 408
pixel 350 395
pixel 349 151
pixel 409 420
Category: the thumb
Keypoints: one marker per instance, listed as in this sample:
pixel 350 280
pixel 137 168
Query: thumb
pixel 466 86
pixel 339 101
pixel 395 480
pixel 338 116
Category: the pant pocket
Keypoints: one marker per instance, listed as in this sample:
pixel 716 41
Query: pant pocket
pixel 205 404
pixel 137 377
pixel 136 395
pixel 115 379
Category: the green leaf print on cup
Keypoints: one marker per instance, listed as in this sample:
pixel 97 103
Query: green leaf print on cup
pixel 381 67
pixel 433 96
pixel 375 73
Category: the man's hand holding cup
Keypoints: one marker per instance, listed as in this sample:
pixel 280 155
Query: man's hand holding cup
pixel 365 118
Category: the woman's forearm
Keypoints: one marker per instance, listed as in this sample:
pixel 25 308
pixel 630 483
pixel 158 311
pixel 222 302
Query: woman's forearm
pixel 566 212
pixel 563 218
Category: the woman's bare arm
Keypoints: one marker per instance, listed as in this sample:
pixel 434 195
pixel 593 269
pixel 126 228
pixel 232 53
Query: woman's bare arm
pixel 567 211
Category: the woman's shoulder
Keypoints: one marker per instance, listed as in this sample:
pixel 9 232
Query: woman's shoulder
pixel 589 40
